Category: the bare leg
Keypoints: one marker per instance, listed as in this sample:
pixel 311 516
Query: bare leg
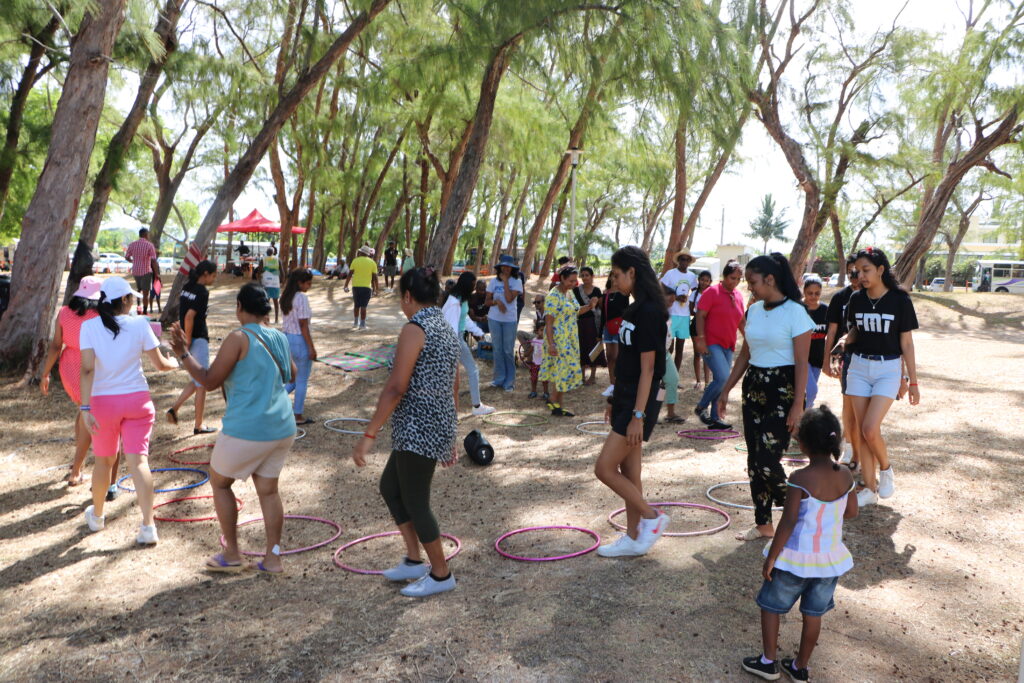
pixel 227 514
pixel 114 469
pixel 200 406
pixel 770 633
pixel 101 469
pixel 277 307
pixel 680 346
pixel 850 428
pixel 273 519
pixel 556 398
pixel 83 439
pixel 612 353
pixel 870 413
pixel 142 480
pixel 435 553
pixel 696 368
pixel 630 468
pixel 623 477
pixel 185 395
pixel 808 639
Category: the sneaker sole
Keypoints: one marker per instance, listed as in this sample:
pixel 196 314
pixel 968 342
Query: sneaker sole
pixel 761 674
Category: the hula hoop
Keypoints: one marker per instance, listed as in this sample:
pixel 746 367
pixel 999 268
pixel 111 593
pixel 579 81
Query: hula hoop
pixel 542 420
pixel 188 519
pixel 321 544
pixel 580 428
pixel 743 449
pixel 497 544
pixel 698 506
pixel 186 487
pixel 300 433
pixel 709 434
pixel 327 424
pixel 186 450
pixel 727 503
pixel 339 551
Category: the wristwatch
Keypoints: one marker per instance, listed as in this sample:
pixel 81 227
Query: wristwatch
pixel 184 355
pixel 639 414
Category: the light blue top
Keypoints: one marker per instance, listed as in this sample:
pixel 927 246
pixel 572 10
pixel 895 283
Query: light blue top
pixel 769 333
pixel 497 288
pixel 815 549
pixel 258 406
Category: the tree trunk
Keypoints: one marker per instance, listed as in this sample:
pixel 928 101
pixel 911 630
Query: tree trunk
pixel 513 239
pixel 389 224
pixel 49 219
pixel 837 235
pixel 421 239
pixel 319 257
pixel 556 232
pixel 905 267
pixel 117 150
pixel 29 76
pixel 503 215
pixel 245 167
pixel 675 235
pixel 454 212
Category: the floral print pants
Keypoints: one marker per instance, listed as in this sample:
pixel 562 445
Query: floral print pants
pixel 767 399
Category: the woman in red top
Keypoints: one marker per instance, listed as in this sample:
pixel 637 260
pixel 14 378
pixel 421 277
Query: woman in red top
pixel 719 317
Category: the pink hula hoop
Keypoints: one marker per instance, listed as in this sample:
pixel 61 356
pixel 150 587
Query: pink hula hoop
pixel 186 450
pixel 297 550
pixel 189 519
pixel 698 506
pixel 594 534
pixel 709 434
pixel 338 563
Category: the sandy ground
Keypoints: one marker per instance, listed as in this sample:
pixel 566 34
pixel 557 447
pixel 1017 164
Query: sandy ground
pixel 935 594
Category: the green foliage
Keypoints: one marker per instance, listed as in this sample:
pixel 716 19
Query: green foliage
pixel 768 225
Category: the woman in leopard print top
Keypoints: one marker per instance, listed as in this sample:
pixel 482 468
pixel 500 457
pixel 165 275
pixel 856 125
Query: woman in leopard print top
pixel 420 398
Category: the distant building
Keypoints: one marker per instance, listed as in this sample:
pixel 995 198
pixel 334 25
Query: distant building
pixel 740 253
pixel 983 240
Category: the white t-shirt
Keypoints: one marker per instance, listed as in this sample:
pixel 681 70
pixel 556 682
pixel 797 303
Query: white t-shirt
pixel 682 283
pixel 497 288
pixel 769 334
pixel 118 360
pixel 300 311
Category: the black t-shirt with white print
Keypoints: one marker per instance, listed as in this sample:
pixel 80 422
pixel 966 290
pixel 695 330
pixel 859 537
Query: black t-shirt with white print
pixel 817 353
pixel 880 322
pixel 643 329
pixel 837 310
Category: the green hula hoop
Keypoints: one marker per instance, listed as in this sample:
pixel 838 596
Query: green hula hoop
pixel 743 449
pixel 541 420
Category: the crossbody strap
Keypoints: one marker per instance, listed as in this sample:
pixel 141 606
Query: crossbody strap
pixel 280 368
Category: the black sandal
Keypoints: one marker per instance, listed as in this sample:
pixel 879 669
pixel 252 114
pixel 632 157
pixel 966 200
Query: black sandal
pixel 559 411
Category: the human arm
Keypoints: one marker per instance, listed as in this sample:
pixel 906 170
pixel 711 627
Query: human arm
pixel 190 320
pixel 549 334
pixel 410 344
pixel 700 344
pixel 52 353
pixel 738 368
pixel 228 355
pixel 308 336
pixel 907 347
pixel 801 349
pixel 635 430
pixel 511 292
pixel 87 374
pixel 852 506
pixel 830 336
pixel 376 284
pixel 783 530
pixel 348 279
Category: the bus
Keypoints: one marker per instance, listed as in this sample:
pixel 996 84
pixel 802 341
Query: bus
pixel 999 275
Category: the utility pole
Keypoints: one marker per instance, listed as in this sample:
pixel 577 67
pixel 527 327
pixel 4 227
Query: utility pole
pixel 721 236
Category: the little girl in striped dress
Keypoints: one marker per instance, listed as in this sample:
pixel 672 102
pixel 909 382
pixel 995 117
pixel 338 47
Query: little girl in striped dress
pixel 806 556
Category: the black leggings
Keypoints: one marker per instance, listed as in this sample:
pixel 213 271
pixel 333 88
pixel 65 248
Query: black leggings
pixel 405 487
pixel 767 399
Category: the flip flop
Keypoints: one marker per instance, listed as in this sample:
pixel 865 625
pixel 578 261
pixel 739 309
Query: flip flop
pixel 751 534
pixel 307 421
pixel 217 563
pixel 675 419
pixel 263 570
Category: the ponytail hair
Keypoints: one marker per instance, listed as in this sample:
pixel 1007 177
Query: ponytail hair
pixel 820 433
pixel 422 284
pixel 292 287
pixel 204 267
pixel 109 310
pixel 777 266
pixel 646 288
pixel 730 268
pixel 80 305
pixel 253 299
pixel 878 259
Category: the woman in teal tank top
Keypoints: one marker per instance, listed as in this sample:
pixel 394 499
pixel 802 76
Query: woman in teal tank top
pixel 253 365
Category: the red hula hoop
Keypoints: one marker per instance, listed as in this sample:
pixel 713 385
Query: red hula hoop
pixel 339 551
pixel 594 534
pixel 709 434
pixel 186 450
pixel 698 506
pixel 296 550
pixel 188 519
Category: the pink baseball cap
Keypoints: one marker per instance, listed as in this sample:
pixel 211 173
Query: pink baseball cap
pixel 89 288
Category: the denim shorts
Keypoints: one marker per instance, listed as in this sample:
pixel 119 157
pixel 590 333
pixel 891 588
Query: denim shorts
pixel 609 338
pixel 200 350
pixel 874 377
pixel 780 594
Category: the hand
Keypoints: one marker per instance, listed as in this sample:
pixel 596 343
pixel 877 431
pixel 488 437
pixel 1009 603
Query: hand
pixel 44 384
pixel 346 289
pixel 607 413
pixel 89 420
pixel 178 340
pixel 700 346
pixel 312 353
pixel 635 432
pixel 766 569
pixel 455 457
pixel 501 306
pixel 723 404
pixel 836 366
pixel 552 349
pixel 793 419
pixel 360 451
pixel 915 395
pixel 904 385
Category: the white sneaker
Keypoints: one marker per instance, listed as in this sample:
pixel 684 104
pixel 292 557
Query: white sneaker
pixel 483 409
pixel 847 457
pixel 404 571
pixel 147 535
pixel 607 393
pixel 886 483
pixel 428 585
pixel 650 530
pixel 95 522
pixel 623 546
pixel 355 325
pixel 866 497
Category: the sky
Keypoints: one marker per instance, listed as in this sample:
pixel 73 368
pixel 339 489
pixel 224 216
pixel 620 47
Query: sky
pixel 736 198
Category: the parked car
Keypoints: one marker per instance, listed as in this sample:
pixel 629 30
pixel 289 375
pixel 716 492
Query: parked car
pixel 458 267
pixel 833 280
pixel 166 264
pixel 938 284
pixel 112 263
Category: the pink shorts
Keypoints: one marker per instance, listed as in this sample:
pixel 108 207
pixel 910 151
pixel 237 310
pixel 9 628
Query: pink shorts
pixel 124 417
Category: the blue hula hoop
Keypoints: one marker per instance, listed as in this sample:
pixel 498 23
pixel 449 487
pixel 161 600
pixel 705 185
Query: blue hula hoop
pixel 206 478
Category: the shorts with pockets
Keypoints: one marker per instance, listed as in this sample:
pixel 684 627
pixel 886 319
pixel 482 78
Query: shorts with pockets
pixel 361 296
pixel 609 338
pixel 874 377
pixel 200 350
pixel 144 283
pixel 125 420
pixel 241 458
pixel 680 327
pixel 780 594
pixel 623 405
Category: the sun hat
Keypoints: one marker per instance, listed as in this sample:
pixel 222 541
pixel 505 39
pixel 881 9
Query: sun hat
pixel 684 252
pixel 408 252
pixel 506 260
pixel 89 288
pixel 366 250
pixel 115 288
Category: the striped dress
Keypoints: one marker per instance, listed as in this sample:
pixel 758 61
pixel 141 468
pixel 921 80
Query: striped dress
pixel 816 549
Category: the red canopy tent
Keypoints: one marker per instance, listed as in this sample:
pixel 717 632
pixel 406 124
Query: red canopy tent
pixel 256 222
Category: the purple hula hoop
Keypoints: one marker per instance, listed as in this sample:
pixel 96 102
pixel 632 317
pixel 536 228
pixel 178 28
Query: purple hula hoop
pixel 321 544
pixel 339 551
pixel 709 434
pixel 497 544
pixel 698 506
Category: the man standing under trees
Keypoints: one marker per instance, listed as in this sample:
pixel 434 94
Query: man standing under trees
pixel 390 265
pixel 142 255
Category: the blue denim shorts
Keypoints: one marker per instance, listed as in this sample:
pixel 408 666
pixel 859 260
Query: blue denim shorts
pixel 609 338
pixel 780 594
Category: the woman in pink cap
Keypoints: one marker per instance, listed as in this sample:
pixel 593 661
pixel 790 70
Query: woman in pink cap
pixel 80 308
